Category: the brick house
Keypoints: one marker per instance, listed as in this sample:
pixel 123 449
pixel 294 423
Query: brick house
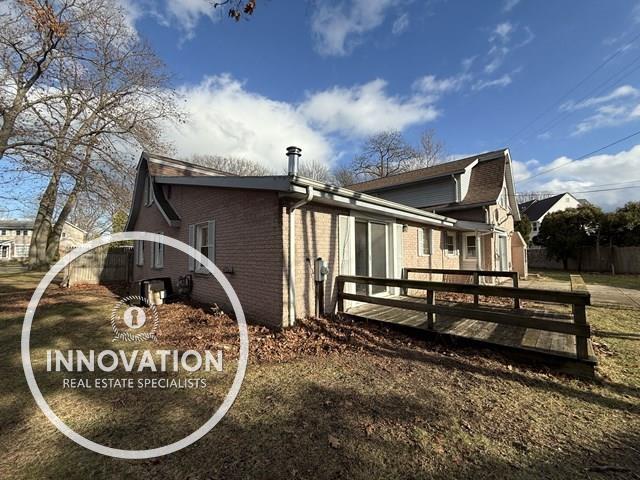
pixel 15 238
pixel 265 232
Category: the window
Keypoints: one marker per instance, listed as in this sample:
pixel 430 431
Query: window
pixel 148 191
pixel 25 232
pixel 18 232
pixel 22 250
pixel 424 242
pixel 450 243
pixel 4 232
pixel 158 254
pixel 202 238
pixel 470 245
pixel 139 253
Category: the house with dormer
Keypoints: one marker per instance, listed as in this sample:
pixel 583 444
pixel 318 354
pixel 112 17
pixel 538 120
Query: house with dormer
pixel 268 234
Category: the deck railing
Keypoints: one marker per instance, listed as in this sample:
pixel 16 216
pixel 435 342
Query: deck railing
pixel 476 274
pixel 578 325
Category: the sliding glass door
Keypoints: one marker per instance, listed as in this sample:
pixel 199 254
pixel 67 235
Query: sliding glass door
pixel 372 254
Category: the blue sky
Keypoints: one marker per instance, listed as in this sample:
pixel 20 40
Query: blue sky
pixel 325 74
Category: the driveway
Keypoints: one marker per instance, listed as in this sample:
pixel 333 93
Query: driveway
pixel 602 295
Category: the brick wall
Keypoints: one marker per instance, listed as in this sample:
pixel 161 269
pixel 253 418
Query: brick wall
pixel 316 236
pixel 248 239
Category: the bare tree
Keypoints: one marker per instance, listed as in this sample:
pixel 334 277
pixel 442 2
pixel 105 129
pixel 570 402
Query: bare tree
pixel 431 151
pixel 232 165
pixel 344 176
pixel 110 96
pixel 315 170
pixel 237 9
pixel 34 34
pixel 383 154
pixel 528 196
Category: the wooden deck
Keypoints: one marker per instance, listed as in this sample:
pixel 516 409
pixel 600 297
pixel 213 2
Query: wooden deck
pixel 551 347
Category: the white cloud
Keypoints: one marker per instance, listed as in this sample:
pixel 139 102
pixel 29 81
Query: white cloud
pixel 187 13
pixel 401 24
pixel 598 172
pixel 366 109
pixel 608 116
pixel 338 28
pixel 503 81
pixel 430 84
pixel 509 5
pixel 620 92
pixel 226 119
pixel 501 41
pixel 502 32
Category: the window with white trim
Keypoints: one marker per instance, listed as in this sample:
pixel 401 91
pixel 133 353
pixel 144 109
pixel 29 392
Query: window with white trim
pixel 158 254
pixel 205 243
pixel 424 241
pixel 450 243
pixel 139 253
pixel 470 245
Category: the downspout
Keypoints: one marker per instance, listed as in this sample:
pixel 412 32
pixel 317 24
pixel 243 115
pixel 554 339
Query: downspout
pixel 455 182
pixel 294 153
pixel 292 250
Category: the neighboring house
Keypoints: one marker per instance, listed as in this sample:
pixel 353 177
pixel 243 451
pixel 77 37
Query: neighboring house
pixel 265 232
pixel 536 210
pixel 15 238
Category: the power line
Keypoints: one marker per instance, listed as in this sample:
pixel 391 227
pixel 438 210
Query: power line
pixel 557 119
pixel 604 189
pixel 582 156
pixel 574 88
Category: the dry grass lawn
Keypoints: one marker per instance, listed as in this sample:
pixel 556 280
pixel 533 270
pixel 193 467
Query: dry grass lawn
pixel 327 400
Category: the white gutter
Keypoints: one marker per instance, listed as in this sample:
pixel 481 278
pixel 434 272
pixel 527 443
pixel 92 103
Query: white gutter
pixel 292 253
pixel 350 199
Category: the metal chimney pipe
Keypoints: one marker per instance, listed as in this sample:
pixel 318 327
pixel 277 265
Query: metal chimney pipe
pixel 294 154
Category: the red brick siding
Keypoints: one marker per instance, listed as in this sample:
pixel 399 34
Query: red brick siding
pixel 248 234
pixel 316 236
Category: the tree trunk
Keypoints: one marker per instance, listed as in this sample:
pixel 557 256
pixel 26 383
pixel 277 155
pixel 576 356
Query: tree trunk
pixel 9 120
pixel 53 241
pixel 565 263
pixel 43 221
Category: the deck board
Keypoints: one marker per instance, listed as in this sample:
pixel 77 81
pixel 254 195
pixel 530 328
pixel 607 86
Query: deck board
pixel 526 339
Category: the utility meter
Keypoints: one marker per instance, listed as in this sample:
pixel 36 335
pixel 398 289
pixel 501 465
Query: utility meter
pixel 320 270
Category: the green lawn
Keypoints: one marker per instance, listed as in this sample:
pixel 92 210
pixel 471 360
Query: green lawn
pixel 383 406
pixel 621 280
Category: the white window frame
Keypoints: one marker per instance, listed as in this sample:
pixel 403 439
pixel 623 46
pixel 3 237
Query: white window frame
pixel 211 247
pixel 424 240
pixel 158 254
pixel 139 253
pixel 455 244
pixel 465 251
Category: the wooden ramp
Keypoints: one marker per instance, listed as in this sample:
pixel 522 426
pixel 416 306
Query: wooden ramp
pixel 505 335
pixel 535 332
